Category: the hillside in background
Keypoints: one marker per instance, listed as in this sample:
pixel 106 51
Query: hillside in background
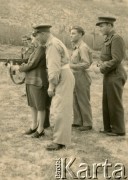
pixel 17 17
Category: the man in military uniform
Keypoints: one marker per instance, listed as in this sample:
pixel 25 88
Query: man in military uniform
pixel 61 86
pixel 28 48
pixel 112 55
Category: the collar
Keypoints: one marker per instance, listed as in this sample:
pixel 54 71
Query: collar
pixel 110 35
pixel 49 40
pixel 77 45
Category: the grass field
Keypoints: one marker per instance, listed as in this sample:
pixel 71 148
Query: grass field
pixel 24 158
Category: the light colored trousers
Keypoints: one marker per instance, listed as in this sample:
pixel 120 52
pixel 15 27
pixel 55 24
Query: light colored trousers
pixel 61 111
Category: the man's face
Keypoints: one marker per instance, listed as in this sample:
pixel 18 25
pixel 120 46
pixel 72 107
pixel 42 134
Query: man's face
pixel 75 36
pixel 41 37
pixel 104 28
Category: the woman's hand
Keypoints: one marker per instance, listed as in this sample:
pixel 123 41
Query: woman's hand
pixel 51 93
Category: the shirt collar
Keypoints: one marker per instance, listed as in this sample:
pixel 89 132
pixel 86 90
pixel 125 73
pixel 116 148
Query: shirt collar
pixel 49 40
pixel 77 45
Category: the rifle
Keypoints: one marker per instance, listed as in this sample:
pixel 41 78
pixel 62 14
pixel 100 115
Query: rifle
pixel 13 75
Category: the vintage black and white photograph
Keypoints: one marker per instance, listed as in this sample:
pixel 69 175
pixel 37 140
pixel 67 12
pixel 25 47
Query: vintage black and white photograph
pixel 63 89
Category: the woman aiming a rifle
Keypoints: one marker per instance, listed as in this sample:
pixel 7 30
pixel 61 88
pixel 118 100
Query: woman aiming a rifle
pixel 36 89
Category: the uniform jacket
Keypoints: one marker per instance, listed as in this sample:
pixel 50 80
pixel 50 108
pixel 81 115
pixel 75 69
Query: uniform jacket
pixel 57 56
pixel 35 69
pixel 112 54
pixel 81 56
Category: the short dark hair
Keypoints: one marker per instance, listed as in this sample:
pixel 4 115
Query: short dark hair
pixel 79 29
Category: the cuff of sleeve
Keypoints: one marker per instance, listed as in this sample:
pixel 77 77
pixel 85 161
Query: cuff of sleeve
pixel 51 87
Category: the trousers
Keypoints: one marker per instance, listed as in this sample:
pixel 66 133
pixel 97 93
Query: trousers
pixel 81 104
pixel 113 111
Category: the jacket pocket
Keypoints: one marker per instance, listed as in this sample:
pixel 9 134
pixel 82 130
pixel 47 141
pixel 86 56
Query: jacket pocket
pixel 34 80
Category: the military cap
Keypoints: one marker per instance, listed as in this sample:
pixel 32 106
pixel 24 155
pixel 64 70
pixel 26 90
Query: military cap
pixel 42 28
pixel 79 29
pixel 101 20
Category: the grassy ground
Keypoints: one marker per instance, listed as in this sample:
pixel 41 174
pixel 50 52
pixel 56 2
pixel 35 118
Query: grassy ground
pixel 24 158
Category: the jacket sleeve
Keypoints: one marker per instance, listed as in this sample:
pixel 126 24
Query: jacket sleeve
pixel 33 61
pixel 84 59
pixel 117 53
pixel 54 66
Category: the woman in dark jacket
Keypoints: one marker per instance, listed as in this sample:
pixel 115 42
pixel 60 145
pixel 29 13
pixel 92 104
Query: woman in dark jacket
pixel 36 88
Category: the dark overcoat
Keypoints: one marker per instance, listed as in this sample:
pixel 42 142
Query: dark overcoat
pixel 112 55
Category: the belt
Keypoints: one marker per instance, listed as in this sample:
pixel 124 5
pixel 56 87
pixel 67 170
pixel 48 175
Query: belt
pixel 66 66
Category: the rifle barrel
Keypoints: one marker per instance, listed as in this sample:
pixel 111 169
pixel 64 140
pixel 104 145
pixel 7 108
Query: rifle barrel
pixel 14 61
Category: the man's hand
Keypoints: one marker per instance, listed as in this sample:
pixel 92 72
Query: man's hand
pixel 95 68
pixel 51 93
pixel 83 66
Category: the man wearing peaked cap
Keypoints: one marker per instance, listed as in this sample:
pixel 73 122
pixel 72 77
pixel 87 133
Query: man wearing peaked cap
pixel 42 28
pixel 41 32
pixel 102 20
pixel 112 55
pixel 61 86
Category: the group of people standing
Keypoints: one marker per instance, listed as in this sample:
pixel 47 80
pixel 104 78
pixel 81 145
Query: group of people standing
pixel 60 83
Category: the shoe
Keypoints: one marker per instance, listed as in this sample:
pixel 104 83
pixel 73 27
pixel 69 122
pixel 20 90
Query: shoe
pixel 115 134
pixel 85 128
pixel 30 131
pixel 104 131
pixel 38 135
pixel 55 147
pixel 75 125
